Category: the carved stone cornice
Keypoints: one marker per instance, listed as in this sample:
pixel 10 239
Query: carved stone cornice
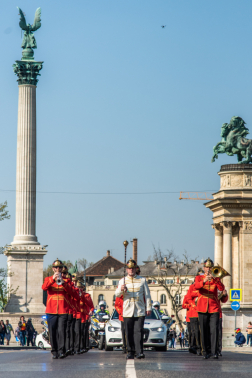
pixel 27 71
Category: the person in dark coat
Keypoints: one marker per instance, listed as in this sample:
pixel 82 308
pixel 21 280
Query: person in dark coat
pixel 239 338
pixel 30 332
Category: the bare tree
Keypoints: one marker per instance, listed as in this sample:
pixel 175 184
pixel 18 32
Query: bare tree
pixel 172 276
pixel 3 212
pixel 84 264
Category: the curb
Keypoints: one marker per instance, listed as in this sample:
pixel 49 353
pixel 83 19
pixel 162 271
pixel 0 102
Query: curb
pixel 18 347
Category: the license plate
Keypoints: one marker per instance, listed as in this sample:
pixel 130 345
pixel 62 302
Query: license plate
pixel 101 333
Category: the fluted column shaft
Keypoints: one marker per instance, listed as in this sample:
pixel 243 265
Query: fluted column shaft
pixel 227 253
pixel 218 245
pixel 26 167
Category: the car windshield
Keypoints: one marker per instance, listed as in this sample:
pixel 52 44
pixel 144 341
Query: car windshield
pixel 153 315
pixel 115 315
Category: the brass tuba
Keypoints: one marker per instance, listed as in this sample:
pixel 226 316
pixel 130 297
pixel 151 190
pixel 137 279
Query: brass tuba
pixel 218 272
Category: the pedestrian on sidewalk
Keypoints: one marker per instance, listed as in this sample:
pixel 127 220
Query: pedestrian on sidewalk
pixel 182 338
pixel 2 332
pixel 22 325
pixel 9 329
pixel 239 338
pixel 173 337
pixel 30 332
pixel 249 333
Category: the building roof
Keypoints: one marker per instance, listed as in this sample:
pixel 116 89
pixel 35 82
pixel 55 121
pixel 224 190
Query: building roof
pixel 101 267
pixel 151 269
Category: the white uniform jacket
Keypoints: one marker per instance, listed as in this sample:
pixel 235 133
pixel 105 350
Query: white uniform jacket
pixel 137 300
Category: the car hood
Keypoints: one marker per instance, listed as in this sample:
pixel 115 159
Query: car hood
pixel 113 323
pixel 153 323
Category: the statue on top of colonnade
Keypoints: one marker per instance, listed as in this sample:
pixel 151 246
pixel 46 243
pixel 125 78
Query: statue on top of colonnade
pixel 29 41
pixel 234 142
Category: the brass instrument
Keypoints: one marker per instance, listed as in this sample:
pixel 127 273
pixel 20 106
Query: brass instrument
pixel 218 272
pixel 59 280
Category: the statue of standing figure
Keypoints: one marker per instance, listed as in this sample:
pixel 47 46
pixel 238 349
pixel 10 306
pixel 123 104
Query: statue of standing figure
pixel 29 41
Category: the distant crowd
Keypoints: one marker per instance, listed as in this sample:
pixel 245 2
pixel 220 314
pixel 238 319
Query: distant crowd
pixel 24 333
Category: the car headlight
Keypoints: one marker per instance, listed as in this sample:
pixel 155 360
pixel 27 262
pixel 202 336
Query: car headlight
pixel 113 329
pixel 158 329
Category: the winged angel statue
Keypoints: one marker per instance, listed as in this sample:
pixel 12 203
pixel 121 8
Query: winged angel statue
pixel 29 41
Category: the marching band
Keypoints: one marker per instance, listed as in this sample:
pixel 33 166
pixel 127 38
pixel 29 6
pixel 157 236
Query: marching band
pixel 69 309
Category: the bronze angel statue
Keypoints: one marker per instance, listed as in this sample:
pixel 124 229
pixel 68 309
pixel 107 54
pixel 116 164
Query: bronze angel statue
pixel 29 41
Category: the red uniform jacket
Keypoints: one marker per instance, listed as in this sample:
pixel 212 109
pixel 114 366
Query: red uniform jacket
pixel 57 296
pixel 89 305
pixel 208 295
pixel 187 306
pixel 83 308
pixel 119 307
pixel 191 297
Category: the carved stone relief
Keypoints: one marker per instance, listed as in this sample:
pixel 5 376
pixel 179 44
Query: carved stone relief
pixel 247 180
pixel 247 226
pixel 236 180
pixel 225 181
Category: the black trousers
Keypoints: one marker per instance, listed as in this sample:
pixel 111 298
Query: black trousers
pixel 83 336
pixel 30 339
pixel 68 331
pixel 57 332
pixel 123 335
pixel 219 348
pixel 134 334
pixel 189 334
pixel 195 332
pixel 77 335
pixel 209 324
pixel 87 324
pixel 72 330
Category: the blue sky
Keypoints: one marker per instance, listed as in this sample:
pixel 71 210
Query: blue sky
pixel 124 106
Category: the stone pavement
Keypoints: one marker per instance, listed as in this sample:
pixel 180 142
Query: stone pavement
pixel 101 364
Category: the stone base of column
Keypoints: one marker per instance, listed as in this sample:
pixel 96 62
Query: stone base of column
pixel 25 240
pixel 25 268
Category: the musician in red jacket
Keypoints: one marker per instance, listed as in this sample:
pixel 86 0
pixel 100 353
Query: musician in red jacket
pixel 119 309
pixel 192 297
pixel 57 308
pixel 90 308
pixel 208 309
pixel 186 305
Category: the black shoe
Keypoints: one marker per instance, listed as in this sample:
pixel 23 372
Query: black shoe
pixel 72 353
pixel 54 357
pixel 192 350
pixel 84 350
pixel 142 355
pixel 205 356
pixel 81 351
pixel 78 352
pixel 199 353
pixel 220 354
pixel 130 356
pixel 62 355
pixel 215 356
pixel 138 356
pixel 68 352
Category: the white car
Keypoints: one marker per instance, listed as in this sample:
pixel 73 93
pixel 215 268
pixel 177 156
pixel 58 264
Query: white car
pixel 41 342
pixel 155 332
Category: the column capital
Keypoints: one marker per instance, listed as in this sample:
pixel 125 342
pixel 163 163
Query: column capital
pixel 227 226
pixel 217 227
pixel 27 71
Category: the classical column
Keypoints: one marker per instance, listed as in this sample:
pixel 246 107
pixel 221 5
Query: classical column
pixel 218 244
pixel 26 162
pixel 227 253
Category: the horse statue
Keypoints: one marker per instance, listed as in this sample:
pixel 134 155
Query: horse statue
pixel 234 142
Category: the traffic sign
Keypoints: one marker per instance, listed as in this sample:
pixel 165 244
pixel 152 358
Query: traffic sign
pixel 235 294
pixel 235 306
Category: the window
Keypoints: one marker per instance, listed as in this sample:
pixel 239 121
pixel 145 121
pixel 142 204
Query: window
pixel 184 282
pixel 99 283
pixel 178 299
pixel 115 283
pixel 100 298
pixel 169 282
pixel 163 299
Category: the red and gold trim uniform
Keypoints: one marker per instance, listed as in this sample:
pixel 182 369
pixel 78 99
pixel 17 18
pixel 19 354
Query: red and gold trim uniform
pixel 58 296
pixel 119 309
pixel 208 294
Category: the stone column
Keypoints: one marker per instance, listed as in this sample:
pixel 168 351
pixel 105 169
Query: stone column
pixel 27 72
pixel 218 244
pixel 25 254
pixel 227 253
